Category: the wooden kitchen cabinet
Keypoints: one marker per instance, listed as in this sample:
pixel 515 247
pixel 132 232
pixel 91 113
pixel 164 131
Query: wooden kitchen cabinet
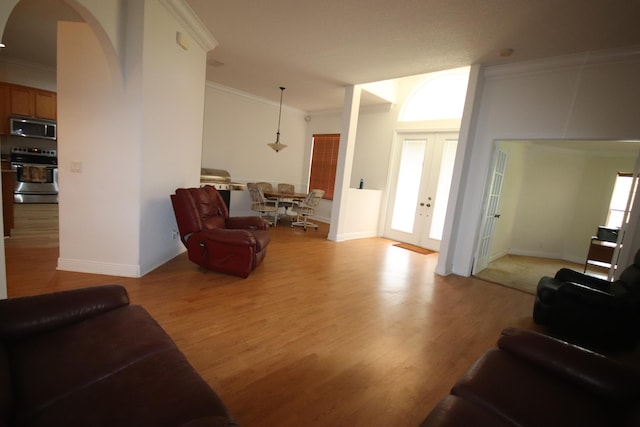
pixel 22 101
pixel 45 104
pixel 31 102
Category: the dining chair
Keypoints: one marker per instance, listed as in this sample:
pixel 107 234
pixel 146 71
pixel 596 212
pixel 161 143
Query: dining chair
pixel 307 207
pixel 266 208
pixel 286 203
pixel 286 188
pixel 266 187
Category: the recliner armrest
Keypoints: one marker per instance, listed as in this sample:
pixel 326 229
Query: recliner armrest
pixel 547 289
pixel 550 288
pixel 227 236
pixel 23 316
pixel 246 222
pixel 604 376
pixel 592 296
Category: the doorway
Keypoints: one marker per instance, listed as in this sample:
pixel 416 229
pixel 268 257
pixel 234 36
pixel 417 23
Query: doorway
pixel 555 194
pixel 422 169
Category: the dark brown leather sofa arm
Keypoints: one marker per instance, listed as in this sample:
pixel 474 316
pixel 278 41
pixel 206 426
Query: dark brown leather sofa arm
pixel 587 369
pixel 20 317
pixel 532 379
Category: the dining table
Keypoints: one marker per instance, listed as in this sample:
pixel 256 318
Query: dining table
pixel 282 197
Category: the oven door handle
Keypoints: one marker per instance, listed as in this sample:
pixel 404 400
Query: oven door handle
pixel 16 165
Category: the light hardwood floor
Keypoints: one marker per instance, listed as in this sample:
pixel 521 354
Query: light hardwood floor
pixel 357 333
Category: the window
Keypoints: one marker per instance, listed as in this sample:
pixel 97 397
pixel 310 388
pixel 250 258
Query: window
pixel 324 162
pixel 619 198
pixel 439 97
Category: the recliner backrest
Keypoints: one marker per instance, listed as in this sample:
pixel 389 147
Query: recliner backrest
pixel 199 209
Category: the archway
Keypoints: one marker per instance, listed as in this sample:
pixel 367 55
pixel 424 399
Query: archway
pixel 29 30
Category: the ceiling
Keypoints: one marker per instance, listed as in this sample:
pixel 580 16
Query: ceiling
pixel 316 48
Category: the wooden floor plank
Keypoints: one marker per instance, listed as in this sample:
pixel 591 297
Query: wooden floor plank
pixel 357 333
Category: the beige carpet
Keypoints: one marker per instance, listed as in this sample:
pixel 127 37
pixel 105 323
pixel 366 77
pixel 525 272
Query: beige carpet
pixel 523 273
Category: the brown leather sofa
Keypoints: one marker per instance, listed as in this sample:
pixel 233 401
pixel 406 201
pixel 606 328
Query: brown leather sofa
pixel 215 241
pixel 532 379
pixel 87 357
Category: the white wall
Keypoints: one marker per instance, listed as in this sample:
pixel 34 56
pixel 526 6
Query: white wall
pixel 588 96
pixel 134 123
pixel 98 207
pixel 173 94
pixel 562 200
pixel 237 128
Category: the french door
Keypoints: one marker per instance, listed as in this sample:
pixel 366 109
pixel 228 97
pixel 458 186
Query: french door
pixel 491 213
pixel 421 170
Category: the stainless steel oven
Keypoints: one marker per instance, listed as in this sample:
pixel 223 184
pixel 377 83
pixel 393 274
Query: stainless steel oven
pixel 36 175
pixel 220 179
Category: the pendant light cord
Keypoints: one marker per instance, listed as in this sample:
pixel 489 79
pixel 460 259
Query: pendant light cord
pixel 280 113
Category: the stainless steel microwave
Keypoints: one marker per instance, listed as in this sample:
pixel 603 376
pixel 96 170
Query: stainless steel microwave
pixel 32 128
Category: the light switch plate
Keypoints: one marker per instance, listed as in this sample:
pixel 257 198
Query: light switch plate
pixel 76 167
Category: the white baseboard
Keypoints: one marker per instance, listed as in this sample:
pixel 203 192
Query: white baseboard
pixel 95 267
pixel 541 254
pixel 354 236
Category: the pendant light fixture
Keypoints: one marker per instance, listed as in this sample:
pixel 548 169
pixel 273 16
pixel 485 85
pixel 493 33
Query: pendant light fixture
pixel 277 146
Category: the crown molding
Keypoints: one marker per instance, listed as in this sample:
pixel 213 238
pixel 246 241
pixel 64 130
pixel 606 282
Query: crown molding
pixel 250 96
pixel 631 54
pixel 26 64
pixel 194 26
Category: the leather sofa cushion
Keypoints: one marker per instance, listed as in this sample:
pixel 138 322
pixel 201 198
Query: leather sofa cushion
pixel 161 390
pixel 503 384
pixel 104 367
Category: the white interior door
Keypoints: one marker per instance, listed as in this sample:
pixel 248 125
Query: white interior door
pixel 491 213
pixel 422 170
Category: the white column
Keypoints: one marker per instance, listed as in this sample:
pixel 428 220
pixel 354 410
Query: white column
pixel 345 161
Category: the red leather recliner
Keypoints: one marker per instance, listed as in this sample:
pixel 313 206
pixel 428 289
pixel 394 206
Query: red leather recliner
pixel 215 241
